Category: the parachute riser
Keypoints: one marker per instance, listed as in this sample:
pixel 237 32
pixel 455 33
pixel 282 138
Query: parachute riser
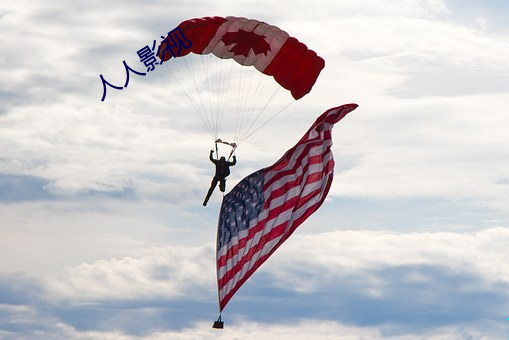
pixel 231 153
pixel 233 145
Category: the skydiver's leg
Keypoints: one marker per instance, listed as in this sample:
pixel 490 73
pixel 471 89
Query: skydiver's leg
pixel 211 189
pixel 222 184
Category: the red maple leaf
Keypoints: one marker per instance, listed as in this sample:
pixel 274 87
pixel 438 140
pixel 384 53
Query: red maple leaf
pixel 245 42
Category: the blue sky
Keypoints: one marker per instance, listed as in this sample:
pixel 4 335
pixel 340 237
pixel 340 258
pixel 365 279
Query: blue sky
pixel 102 232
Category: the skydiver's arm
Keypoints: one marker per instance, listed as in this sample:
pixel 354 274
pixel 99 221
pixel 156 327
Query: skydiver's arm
pixel 210 156
pixel 234 161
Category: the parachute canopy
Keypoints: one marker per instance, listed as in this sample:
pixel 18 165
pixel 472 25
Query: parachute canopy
pixel 221 93
pixel 253 43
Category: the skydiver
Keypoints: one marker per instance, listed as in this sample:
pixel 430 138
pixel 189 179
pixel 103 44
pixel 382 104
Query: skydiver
pixel 222 171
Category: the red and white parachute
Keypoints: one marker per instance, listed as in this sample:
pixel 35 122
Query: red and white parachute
pixel 239 100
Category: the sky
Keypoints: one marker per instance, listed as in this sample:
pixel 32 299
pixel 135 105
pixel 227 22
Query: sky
pixel 102 231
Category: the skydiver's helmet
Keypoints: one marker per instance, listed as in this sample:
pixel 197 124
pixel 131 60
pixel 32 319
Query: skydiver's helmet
pixel 222 159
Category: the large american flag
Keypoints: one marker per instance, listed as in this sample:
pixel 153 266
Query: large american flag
pixel 266 207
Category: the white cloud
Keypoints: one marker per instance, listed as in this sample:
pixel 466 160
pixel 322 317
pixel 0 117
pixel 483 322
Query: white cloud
pixel 162 273
pixel 437 274
pixel 317 329
pixel 339 253
pixel 308 263
pixel 445 147
pixel 44 237
pixel 307 329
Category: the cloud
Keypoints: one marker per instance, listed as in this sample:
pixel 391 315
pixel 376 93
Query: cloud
pixel 449 158
pixel 168 273
pixel 315 329
pixel 377 283
pixel 412 281
pixel 477 253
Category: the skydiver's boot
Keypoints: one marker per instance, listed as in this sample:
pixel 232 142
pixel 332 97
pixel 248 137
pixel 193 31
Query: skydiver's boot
pixel 207 197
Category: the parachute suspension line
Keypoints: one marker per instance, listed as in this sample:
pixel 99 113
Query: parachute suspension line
pixel 239 109
pixel 195 108
pixel 244 113
pixel 250 118
pixel 222 85
pixel 206 115
pixel 215 68
pixel 249 103
pixel 268 121
pixel 250 125
pixel 248 133
pixel 250 86
pixel 234 146
pixel 240 103
pixel 190 97
pixel 208 82
pixel 260 112
pixel 227 87
pixel 213 88
pixel 224 69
